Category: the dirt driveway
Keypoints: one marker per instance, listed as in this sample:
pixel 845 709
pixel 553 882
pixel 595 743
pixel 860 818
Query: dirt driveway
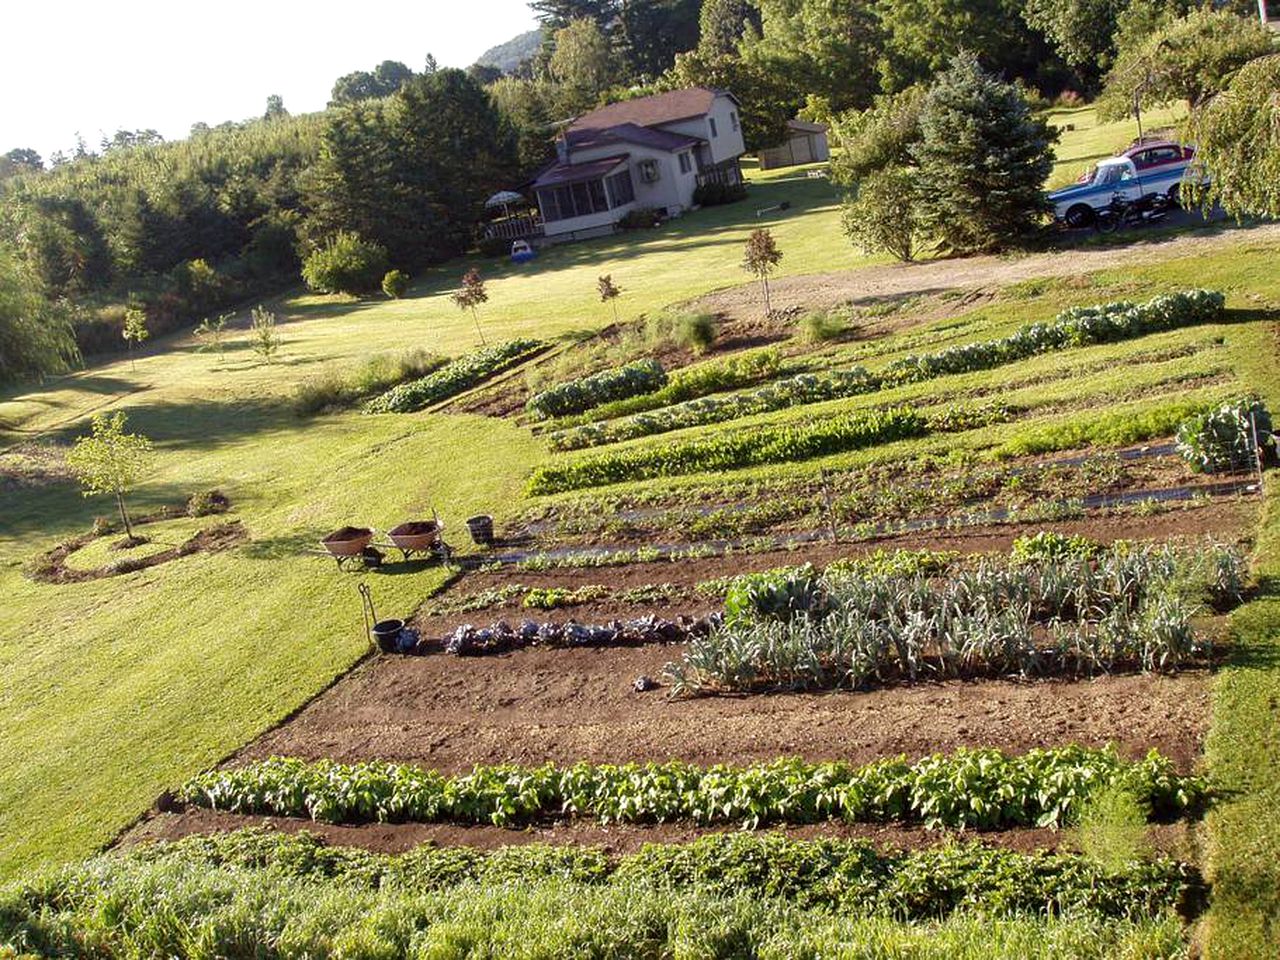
pixel 867 285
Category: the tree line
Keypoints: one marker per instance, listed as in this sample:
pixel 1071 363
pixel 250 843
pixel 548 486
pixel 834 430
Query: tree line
pixel 393 174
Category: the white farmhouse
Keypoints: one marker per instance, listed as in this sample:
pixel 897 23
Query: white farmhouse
pixel 647 153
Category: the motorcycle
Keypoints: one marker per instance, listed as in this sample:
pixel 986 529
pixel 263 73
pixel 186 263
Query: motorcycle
pixel 1147 209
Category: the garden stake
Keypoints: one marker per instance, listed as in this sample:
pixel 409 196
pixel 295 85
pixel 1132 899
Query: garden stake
pixel 826 499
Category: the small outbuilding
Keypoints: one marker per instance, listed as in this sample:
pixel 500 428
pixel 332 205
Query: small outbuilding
pixel 806 143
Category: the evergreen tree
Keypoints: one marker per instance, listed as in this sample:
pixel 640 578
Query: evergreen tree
pixel 721 24
pixel 983 160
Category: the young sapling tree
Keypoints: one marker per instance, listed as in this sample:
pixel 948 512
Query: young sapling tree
pixel 761 257
pixel 110 461
pixel 470 295
pixel 266 342
pixel 135 331
pixel 609 292
pixel 210 334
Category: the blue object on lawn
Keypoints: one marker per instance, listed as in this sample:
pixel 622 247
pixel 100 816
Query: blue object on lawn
pixel 521 252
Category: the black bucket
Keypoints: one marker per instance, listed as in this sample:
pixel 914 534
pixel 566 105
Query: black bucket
pixel 386 634
pixel 481 529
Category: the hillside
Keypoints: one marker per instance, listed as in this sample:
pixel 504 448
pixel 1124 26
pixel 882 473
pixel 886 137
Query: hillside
pixel 507 56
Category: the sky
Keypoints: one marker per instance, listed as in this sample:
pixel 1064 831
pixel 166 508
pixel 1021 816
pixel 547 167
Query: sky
pixel 105 65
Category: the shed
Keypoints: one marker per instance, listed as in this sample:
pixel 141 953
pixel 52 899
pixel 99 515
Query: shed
pixel 806 143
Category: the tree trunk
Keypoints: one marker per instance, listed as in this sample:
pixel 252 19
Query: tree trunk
pixel 768 307
pixel 124 516
pixel 476 317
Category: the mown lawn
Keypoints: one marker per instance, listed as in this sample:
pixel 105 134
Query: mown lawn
pixel 113 690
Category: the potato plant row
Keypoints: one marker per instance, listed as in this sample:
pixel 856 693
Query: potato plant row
pixel 849 875
pixel 173 908
pixel 575 396
pixel 1049 612
pixel 453 378
pixel 1078 326
pixel 982 789
pixel 779 444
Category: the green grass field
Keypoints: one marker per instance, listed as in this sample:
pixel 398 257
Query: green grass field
pixel 113 690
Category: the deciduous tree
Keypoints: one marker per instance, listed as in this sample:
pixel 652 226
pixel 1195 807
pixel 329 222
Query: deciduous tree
pixel 760 259
pixel 111 462
pixel 884 216
pixel 470 295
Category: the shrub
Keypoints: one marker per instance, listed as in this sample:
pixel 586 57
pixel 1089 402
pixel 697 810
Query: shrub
pixel 781 444
pixel 716 194
pixel 694 331
pixel 453 378
pixel 345 264
pixel 641 219
pixel 1222 439
pixel 815 328
pixel 205 503
pixel 395 284
pixel 643 376
pixel 494 246
pixel 884 216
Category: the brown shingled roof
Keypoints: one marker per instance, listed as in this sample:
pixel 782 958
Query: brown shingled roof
pixel 650 111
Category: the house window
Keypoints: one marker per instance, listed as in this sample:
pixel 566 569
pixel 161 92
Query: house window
pixel 712 121
pixel 574 200
pixel 621 189
pixel 733 120
pixel 686 164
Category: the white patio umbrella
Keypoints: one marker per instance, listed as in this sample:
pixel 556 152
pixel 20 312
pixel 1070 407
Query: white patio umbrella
pixel 503 199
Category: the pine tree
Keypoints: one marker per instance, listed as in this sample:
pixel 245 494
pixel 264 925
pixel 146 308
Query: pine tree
pixel 983 161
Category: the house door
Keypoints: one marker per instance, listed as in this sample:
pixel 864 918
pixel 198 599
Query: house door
pixel 801 150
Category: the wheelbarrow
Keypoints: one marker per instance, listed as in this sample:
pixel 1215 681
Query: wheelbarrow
pixel 384 633
pixel 417 536
pixel 347 543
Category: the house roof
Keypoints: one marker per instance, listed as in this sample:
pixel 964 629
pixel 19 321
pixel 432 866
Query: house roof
pixel 803 126
pixel 581 139
pixel 559 173
pixel 650 111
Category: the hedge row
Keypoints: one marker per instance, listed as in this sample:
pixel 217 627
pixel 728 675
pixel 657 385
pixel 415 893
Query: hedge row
pixel 778 444
pixel 850 875
pixel 969 788
pixel 643 376
pixel 453 378
pixel 1078 326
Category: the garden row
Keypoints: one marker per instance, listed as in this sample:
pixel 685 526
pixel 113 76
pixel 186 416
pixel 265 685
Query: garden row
pixel 982 789
pixel 175 909
pixel 454 377
pixel 1079 326
pixel 1129 607
pixel 850 875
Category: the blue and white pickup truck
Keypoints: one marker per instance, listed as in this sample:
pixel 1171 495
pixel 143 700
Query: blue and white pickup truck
pixel 1143 169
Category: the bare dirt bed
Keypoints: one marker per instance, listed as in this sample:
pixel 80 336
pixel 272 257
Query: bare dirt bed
pixel 540 705
pixel 615 838
pixel 872 284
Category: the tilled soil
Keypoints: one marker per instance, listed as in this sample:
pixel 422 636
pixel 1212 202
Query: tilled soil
pixel 615 838
pixel 539 705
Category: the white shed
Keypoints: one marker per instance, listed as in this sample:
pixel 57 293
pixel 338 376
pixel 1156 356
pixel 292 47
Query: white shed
pixel 805 143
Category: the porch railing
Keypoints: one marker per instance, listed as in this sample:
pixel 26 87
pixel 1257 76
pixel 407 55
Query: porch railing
pixel 515 228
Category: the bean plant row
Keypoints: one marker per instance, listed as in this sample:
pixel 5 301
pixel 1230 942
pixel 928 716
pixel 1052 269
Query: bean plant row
pixel 850 875
pixel 1058 613
pixel 983 789
pixel 454 377
pixel 1076 327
